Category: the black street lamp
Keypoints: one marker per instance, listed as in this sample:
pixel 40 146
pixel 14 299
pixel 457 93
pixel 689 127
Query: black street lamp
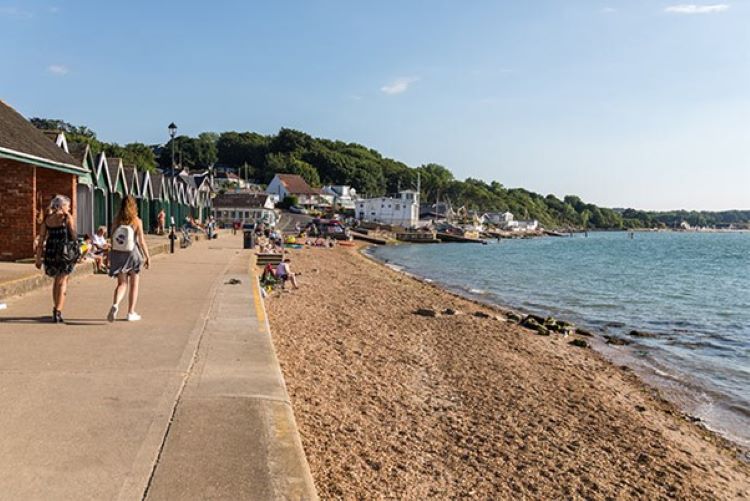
pixel 172 133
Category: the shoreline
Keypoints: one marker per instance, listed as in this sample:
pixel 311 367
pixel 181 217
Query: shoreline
pixel 492 408
pixel 654 379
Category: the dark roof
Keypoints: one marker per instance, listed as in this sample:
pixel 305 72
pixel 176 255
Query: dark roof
pixel 249 200
pixel 52 134
pixel 18 134
pixel 130 172
pixel 142 179
pixel 157 181
pixel 113 164
pixel 78 151
pixel 296 185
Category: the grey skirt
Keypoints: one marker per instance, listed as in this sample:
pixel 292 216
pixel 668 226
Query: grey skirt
pixel 125 262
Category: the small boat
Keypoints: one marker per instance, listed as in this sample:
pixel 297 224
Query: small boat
pixel 418 237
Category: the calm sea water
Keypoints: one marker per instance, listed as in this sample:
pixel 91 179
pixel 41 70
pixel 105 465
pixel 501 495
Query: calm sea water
pixel 690 291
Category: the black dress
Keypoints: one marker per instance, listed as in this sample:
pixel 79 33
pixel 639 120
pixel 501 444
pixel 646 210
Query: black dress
pixel 54 264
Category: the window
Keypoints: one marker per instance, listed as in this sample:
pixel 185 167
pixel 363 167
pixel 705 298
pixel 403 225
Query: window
pixel 398 206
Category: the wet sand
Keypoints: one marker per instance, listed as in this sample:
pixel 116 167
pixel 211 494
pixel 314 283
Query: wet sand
pixel 391 404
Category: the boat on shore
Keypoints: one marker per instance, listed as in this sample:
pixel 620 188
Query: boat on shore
pixel 455 237
pixel 418 237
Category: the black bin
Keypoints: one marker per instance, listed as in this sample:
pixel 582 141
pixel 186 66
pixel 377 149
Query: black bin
pixel 248 240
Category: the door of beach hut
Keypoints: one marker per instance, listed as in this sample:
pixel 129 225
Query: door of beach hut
pixel 145 213
pixel 100 208
pixel 84 209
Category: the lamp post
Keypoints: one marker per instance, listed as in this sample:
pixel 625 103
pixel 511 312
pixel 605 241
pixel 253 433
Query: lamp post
pixel 172 237
pixel 172 133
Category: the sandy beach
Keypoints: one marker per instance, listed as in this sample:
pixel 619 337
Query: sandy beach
pixel 391 404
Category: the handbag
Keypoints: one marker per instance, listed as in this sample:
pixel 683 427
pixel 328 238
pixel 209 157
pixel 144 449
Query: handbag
pixel 71 251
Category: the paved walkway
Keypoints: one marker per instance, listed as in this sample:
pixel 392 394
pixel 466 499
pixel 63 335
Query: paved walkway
pixel 189 403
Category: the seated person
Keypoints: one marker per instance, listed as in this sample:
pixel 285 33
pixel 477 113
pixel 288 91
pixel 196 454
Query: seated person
pixel 269 275
pixel 88 251
pixel 284 273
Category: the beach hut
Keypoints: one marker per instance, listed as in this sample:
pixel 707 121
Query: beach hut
pixel 161 197
pixel 85 188
pixel 102 188
pixel 32 170
pixel 203 192
pixel 133 178
pixel 147 196
pixel 118 188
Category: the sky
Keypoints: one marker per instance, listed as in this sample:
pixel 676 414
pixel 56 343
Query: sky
pixel 626 103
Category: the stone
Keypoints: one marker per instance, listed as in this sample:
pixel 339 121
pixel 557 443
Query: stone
pixel 514 317
pixel 580 343
pixel 542 330
pixel 481 314
pixel 616 341
pixel 425 312
pixel 536 317
pixel 583 332
pixel 451 311
pixel 640 408
pixel 530 322
pixel 635 333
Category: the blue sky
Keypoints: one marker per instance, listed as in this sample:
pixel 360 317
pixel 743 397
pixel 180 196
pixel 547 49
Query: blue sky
pixel 627 103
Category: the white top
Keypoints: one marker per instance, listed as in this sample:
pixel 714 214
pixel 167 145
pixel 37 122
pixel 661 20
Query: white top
pixel 282 270
pixel 98 240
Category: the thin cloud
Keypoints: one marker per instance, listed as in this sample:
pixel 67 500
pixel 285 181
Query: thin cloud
pixel 16 13
pixel 398 86
pixel 58 69
pixel 697 9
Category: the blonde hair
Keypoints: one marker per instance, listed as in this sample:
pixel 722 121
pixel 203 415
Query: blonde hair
pixel 57 203
pixel 128 213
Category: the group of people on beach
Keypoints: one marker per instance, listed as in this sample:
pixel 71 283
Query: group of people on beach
pixel 58 251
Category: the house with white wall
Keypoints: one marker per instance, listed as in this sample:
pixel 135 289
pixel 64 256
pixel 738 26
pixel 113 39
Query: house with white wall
pixel 286 185
pixel 402 210
pixel 498 218
pixel 244 207
pixel 341 195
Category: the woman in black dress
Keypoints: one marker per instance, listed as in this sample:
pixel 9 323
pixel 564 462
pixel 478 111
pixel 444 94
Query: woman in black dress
pixel 58 228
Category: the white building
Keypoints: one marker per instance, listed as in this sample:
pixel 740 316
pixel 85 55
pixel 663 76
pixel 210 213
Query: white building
pixel 532 225
pixel 244 207
pixel 498 218
pixel 402 210
pixel 285 185
pixel 344 196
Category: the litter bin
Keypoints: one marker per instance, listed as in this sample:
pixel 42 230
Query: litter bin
pixel 248 240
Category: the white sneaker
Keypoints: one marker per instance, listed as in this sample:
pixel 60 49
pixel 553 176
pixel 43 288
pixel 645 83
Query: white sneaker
pixel 133 317
pixel 112 315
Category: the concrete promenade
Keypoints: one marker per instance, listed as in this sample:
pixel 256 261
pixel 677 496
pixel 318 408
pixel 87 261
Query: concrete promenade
pixel 189 403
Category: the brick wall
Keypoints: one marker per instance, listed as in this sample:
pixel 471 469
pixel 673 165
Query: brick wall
pixel 24 190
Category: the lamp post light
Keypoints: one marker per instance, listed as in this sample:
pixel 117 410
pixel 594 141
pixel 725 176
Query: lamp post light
pixel 172 133
pixel 172 236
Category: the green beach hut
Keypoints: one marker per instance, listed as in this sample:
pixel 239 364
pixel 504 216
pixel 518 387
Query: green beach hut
pixel 147 198
pixel 118 188
pixel 102 186
pixel 85 201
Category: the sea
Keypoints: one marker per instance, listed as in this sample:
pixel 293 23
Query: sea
pixel 687 293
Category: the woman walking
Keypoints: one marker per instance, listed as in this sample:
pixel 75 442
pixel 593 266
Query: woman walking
pixel 128 254
pixel 57 243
